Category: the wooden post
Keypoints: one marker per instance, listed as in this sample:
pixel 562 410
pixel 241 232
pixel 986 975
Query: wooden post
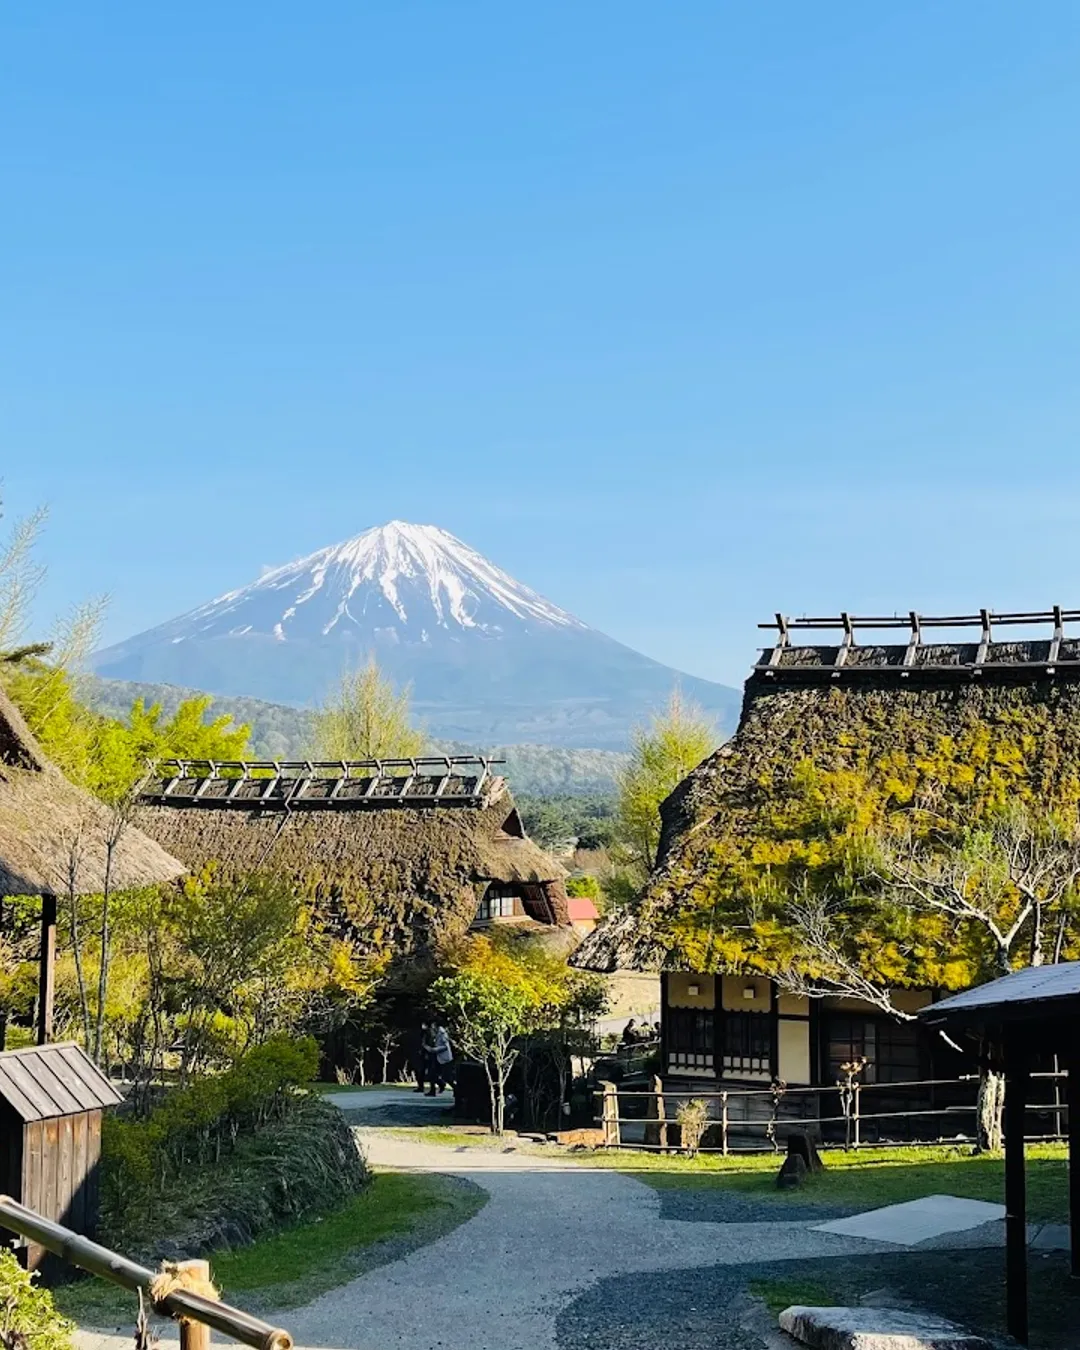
pixel 47 969
pixel 3 1015
pixel 657 1134
pixel 195 1335
pixel 612 1137
pixel 723 1124
pixel 1016 1090
pixel 1072 1100
pixel 855 1117
pixel 1058 1133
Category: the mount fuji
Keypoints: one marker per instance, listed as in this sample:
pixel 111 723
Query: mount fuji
pixel 487 658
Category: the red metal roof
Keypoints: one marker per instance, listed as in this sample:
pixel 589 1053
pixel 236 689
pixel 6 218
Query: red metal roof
pixel 581 907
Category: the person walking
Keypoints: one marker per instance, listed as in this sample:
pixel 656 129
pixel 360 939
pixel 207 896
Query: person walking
pixel 442 1055
pixel 418 1055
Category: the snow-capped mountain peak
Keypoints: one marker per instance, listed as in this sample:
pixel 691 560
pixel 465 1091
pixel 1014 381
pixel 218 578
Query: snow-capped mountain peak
pixel 414 579
pixel 487 660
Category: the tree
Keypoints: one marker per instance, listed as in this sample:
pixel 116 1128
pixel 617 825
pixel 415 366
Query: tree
pixel 21 576
pixel 661 756
pixel 366 718
pixel 491 1001
pixel 107 756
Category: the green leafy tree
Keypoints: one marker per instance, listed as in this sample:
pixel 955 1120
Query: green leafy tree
pixel 121 752
pixel 662 754
pixel 492 998
pixel 366 718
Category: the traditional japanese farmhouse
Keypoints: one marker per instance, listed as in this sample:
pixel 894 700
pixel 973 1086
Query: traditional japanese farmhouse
pixel 405 852
pixel 1002 713
pixel 53 836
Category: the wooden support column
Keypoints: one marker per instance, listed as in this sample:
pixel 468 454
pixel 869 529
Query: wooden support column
pixel 3 1015
pixel 195 1335
pixel 47 970
pixel 1073 1102
pixel 1016 1093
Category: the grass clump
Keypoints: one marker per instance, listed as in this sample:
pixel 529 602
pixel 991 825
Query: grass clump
pixel 693 1118
pixel 786 1293
pixel 866 1179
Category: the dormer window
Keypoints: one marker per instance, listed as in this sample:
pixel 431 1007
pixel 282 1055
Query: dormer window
pixel 500 902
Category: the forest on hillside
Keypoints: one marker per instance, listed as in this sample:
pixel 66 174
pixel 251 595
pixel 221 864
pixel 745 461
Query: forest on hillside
pixel 281 732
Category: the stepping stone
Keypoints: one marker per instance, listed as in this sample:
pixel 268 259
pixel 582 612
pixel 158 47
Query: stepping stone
pixel 1051 1237
pixel 876 1329
pixel 915 1221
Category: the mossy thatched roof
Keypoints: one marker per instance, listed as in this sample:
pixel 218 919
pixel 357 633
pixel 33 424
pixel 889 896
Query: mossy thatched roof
pixel 52 832
pixel 402 877
pixel 982 740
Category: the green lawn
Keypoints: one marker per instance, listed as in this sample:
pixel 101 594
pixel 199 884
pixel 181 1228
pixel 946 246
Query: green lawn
pixel 865 1179
pixel 395 1214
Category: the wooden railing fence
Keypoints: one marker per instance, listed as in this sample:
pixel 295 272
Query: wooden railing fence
pixel 739 1131
pixel 195 1313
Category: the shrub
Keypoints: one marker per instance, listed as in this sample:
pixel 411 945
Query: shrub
pixel 27 1315
pixel 588 886
pixel 199 1124
pixel 693 1118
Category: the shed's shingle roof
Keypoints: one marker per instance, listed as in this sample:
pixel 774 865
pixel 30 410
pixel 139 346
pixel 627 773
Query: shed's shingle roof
pixel 42 1082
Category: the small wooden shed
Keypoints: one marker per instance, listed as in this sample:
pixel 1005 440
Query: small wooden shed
pixel 51 1100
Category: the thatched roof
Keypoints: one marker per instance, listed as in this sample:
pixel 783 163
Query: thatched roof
pixel 401 874
pixel 46 823
pixel 999 731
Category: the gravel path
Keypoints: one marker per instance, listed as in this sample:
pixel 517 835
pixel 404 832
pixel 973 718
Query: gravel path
pixel 550 1231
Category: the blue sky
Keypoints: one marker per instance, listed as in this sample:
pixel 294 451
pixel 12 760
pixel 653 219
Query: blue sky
pixel 682 314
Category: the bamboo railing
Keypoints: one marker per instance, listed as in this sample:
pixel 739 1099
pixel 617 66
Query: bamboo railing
pixel 194 1312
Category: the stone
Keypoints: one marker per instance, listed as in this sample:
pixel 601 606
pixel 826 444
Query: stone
pixel 876 1329
pixel 915 1221
pixel 793 1172
pixel 1051 1237
pixel 799 1143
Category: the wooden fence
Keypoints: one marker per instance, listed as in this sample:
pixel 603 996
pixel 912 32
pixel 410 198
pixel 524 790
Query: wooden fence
pixel 756 1120
pixel 196 1313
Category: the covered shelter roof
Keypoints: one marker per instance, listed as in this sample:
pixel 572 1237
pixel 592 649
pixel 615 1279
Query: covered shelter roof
pixel 1042 1002
pixel 53 835
pixel 1011 1023
pixel 45 1081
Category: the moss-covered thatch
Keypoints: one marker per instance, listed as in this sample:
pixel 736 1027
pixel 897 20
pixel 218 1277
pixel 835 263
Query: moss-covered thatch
pixel 46 823
pixel 403 877
pixel 971 743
